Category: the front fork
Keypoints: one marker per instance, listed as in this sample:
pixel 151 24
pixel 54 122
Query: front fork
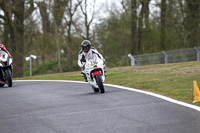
pixel 102 75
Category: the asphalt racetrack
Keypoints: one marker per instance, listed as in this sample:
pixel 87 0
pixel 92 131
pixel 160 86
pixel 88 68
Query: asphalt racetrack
pixel 69 107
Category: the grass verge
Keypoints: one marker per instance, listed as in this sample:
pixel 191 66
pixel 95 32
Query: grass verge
pixel 173 80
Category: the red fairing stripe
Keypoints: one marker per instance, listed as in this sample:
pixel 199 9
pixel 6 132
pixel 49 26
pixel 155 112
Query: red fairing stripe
pixel 95 73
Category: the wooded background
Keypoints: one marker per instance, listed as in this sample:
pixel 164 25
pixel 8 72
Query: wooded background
pixel 54 29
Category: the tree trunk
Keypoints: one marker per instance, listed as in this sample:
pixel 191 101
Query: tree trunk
pixel 140 26
pixel 19 36
pixel 133 26
pixel 46 24
pixel 146 12
pixel 193 22
pixel 163 25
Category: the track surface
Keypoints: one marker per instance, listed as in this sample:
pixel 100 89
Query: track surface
pixel 56 107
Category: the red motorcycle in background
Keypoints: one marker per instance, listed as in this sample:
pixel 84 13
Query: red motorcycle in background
pixel 6 69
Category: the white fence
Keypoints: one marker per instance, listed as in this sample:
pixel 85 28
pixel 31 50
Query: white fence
pixel 171 56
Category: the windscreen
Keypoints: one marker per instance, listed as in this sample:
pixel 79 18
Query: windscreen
pixel 91 56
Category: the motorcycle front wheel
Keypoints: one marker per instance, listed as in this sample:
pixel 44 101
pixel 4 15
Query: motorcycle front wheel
pixel 2 85
pixel 99 82
pixel 8 77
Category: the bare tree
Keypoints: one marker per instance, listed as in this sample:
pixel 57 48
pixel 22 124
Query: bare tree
pixel 71 10
pixel 84 9
pixel 46 28
pixel 58 13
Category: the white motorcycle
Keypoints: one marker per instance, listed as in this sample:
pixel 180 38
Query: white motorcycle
pixel 6 69
pixel 94 71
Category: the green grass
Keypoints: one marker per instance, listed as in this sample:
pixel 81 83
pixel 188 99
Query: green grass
pixel 172 80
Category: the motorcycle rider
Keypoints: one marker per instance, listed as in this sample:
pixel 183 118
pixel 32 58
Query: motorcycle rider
pixel 84 54
pixel 2 47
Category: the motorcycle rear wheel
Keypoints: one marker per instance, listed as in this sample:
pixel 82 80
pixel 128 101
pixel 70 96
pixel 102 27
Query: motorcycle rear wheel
pixel 99 82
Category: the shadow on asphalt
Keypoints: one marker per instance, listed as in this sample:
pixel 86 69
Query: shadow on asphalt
pixel 97 93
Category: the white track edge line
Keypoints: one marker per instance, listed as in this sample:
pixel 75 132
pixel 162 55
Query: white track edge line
pixel 128 88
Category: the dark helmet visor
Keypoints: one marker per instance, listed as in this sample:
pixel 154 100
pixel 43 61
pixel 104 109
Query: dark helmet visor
pixel 85 47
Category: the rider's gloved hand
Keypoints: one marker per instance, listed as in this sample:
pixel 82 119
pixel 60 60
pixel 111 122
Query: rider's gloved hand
pixel 83 58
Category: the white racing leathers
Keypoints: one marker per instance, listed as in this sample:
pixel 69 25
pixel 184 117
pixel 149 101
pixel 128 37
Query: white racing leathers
pixel 88 55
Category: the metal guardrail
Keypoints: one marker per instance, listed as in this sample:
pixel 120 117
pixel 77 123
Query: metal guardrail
pixel 171 56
